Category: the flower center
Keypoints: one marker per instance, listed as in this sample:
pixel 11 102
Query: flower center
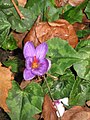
pixel 35 63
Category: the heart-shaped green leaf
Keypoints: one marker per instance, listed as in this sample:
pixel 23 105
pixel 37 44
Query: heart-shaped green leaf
pixel 24 104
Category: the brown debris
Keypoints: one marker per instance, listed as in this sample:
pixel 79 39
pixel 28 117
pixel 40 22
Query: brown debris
pixel 22 2
pixel 60 3
pixel 75 2
pixel 79 26
pixel 5 85
pixel 88 103
pixel 24 84
pixel 43 31
pixel 19 38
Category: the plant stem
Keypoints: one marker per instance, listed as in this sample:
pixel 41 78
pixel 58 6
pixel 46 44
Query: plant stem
pixel 48 88
pixel 51 95
pixel 54 77
pixel 17 9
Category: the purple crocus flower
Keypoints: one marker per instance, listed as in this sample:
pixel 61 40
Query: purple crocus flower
pixel 36 63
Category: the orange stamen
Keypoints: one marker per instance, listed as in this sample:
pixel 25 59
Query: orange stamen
pixel 35 63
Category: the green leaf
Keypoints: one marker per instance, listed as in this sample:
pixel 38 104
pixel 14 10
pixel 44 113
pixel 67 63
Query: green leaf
pixel 75 14
pixel 80 92
pixel 83 66
pixel 62 87
pixel 62 55
pixel 4 4
pixel 15 64
pixel 83 33
pixel 24 104
pixel 51 13
pixel 82 44
pixel 4 24
pixel 3 36
pixel 83 69
pixel 60 48
pixel 36 6
pixel 9 43
pixel 87 10
pixel 6 41
pixel 21 25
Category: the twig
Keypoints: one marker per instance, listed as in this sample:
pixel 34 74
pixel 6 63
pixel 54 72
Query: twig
pixel 54 77
pixel 17 9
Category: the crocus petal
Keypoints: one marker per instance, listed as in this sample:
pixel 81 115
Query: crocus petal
pixel 29 50
pixel 59 104
pixel 28 62
pixel 42 69
pixel 61 109
pixel 28 75
pixel 41 51
pixel 65 101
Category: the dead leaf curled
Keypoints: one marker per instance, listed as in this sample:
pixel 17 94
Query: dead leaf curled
pixel 43 31
pixel 5 85
pixel 49 112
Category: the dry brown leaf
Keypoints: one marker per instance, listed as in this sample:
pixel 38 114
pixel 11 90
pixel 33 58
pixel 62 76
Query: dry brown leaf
pixel 77 113
pixel 43 31
pixel 79 26
pixel 75 2
pixel 19 38
pixel 85 20
pixel 60 3
pixel 24 83
pixel 22 2
pixel 49 112
pixel 83 115
pixel 5 86
pixel 88 103
pixel 88 37
pixel 69 113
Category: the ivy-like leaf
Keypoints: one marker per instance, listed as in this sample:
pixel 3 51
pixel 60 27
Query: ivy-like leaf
pixel 82 44
pixel 30 16
pixel 62 55
pixel 79 92
pixel 63 86
pixel 4 4
pixel 21 25
pixel 83 33
pixel 24 104
pixel 9 43
pixel 83 66
pixel 4 27
pixel 15 64
pixel 51 13
pixel 75 14
pixel 87 10
pixel 36 6
pixel 6 41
